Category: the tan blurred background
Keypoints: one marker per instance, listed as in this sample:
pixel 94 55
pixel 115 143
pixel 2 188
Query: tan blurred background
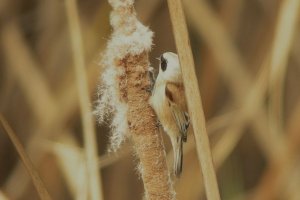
pixel 251 100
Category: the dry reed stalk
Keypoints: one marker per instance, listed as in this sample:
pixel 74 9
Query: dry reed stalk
pixel 71 161
pixel 229 60
pixel 37 181
pixel 249 108
pixel 281 166
pixel 54 120
pixel 14 43
pixel 231 66
pixel 90 141
pixel 194 98
pixel 67 101
pixel 36 84
pixel 270 148
pixel 124 95
pixel 285 30
pixel 70 158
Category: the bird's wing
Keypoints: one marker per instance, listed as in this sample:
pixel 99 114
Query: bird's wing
pixel 176 99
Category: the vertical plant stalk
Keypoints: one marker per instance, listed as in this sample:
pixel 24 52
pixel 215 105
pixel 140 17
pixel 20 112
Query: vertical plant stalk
pixel 90 144
pixel 145 134
pixel 286 25
pixel 37 181
pixel 232 68
pixel 194 98
pixel 284 35
pixel 124 96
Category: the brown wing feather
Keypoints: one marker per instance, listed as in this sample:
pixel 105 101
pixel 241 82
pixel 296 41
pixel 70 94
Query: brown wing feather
pixel 176 98
pixel 175 93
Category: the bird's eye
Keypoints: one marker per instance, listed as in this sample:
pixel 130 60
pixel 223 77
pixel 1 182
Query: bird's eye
pixel 163 63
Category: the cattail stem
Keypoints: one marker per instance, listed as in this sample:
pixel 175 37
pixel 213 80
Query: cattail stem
pixel 125 95
pixel 145 134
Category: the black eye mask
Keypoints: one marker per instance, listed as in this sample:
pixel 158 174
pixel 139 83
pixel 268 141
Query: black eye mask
pixel 163 63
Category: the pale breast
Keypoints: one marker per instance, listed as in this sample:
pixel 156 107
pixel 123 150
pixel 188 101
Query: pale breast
pixel 159 103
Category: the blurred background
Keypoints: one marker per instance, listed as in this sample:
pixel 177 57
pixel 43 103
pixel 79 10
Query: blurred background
pixel 248 68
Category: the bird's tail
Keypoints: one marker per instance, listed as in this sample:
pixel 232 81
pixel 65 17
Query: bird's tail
pixel 178 156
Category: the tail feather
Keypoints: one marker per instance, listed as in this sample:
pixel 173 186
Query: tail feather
pixel 178 157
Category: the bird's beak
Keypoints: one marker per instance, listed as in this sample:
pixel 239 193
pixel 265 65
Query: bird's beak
pixel 158 58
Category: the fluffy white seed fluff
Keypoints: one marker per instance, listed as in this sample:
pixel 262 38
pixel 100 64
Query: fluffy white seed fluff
pixel 129 37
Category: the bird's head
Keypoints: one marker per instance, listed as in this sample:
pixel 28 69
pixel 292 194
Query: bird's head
pixel 169 68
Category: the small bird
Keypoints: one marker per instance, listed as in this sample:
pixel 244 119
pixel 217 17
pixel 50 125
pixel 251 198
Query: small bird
pixel 168 102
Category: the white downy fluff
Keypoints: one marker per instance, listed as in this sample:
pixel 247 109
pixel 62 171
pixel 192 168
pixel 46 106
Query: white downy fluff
pixel 129 37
